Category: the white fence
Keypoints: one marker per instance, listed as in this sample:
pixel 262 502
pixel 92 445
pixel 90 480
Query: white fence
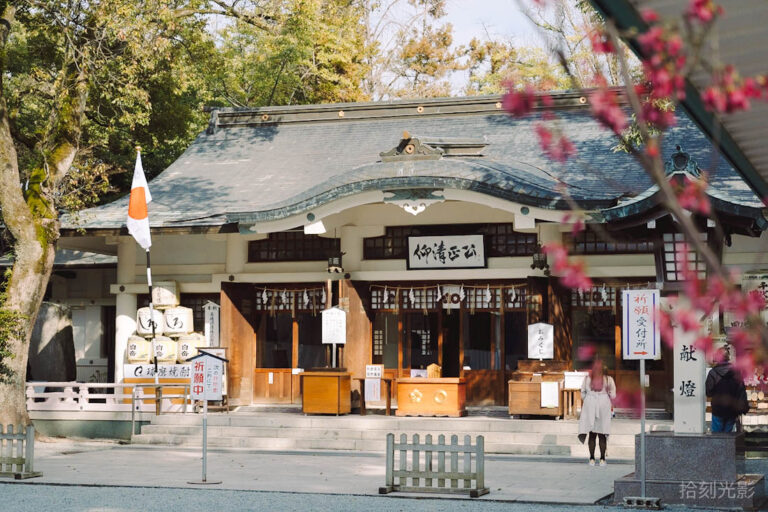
pixel 106 397
pixel 17 452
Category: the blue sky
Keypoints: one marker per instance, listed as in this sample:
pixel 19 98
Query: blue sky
pixel 500 18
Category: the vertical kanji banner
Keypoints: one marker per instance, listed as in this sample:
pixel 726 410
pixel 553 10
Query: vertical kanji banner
pixel 640 325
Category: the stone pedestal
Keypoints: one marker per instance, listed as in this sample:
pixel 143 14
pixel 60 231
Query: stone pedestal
pixel 705 470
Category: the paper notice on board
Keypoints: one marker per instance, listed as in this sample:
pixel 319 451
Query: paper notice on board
pixel 372 390
pixel 549 394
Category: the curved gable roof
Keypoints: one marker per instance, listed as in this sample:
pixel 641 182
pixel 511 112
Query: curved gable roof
pixel 271 163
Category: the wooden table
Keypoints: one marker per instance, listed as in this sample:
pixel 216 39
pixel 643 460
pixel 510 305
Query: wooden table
pixel 431 397
pixel 326 393
pixel 388 382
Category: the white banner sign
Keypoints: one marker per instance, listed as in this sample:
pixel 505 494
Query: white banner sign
pixel 334 326
pixel 640 326
pixel 164 371
pixel 372 390
pixel 211 314
pixel 541 341
pixel 464 251
pixel 206 381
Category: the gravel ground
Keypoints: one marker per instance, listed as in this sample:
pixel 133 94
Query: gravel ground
pixel 41 498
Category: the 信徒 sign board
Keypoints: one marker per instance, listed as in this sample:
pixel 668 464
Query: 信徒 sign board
pixel 449 251
pixel 640 325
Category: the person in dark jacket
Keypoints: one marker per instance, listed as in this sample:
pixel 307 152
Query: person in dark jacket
pixel 728 396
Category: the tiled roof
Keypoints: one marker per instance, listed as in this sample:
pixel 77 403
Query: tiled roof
pixel 270 163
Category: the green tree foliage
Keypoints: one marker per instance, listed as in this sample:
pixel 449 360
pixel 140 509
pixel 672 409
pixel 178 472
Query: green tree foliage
pixel 495 64
pixel 313 52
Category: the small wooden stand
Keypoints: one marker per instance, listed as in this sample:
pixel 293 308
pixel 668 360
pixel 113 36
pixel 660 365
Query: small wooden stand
pixel 326 392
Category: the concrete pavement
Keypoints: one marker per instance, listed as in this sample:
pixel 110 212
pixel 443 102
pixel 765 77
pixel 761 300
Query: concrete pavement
pixel 510 478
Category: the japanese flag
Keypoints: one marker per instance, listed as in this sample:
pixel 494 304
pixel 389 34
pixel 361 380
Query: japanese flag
pixel 138 220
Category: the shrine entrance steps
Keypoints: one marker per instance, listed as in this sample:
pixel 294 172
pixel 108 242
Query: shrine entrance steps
pixel 293 431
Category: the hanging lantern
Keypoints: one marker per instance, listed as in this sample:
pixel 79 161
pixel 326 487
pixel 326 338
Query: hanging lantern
pixel 540 260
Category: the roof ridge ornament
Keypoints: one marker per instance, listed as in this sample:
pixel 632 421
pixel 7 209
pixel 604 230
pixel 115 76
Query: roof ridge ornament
pixel 681 162
pixel 411 148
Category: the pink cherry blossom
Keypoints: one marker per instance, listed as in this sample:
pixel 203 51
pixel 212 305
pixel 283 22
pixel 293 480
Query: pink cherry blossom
pixel 605 108
pixel 601 42
pixel 519 102
pixel 692 195
pixel 703 11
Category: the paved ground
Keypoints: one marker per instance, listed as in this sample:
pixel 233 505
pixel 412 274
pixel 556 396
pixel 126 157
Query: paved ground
pixel 37 498
pixel 105 476
pixel 105 463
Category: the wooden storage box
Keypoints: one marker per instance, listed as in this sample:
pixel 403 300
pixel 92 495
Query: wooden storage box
pixel 431 397
pixel 326 393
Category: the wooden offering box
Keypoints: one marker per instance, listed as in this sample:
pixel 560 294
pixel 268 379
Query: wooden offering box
pixel 525 394
pixel 431 397
pixel 326 393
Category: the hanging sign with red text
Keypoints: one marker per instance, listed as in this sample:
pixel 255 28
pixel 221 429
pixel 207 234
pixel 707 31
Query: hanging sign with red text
pixel 640 325
pixel 206 380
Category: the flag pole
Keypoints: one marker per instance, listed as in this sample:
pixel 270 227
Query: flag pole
pixel 152 314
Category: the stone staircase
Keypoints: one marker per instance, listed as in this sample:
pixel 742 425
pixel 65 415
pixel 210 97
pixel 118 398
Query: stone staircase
pixel 287 431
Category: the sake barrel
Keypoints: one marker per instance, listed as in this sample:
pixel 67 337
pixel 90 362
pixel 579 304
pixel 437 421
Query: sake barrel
pixel 165 348
pixel 178 321
pixel 144 320
pixel 165 294
pixel 139 350
pixel 188 345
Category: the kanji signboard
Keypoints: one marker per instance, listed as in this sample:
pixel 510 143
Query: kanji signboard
pixel 640 325
pixel 450 251
pixel 206 379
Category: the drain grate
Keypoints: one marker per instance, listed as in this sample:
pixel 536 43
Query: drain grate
pixel 644 503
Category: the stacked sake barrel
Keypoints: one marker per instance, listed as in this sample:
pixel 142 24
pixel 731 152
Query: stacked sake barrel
pixel 175 339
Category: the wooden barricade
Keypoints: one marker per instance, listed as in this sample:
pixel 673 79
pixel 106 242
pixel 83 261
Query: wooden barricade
pixel 17 452
pixel 435 478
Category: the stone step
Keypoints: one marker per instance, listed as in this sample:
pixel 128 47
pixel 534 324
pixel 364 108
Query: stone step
pixel 364 445
pixel 374 434
pixel 457 425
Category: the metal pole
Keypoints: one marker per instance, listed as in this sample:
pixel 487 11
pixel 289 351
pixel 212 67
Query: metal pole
pixel 333 355
pixel 642 428
pixel 205 425
pixel 152 320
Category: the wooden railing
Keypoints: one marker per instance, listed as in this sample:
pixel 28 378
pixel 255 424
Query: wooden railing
pixel 17 452
pixel 435 479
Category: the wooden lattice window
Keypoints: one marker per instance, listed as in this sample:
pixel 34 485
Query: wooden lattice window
pixel 378 342
pixel 674 248
pixel 596 297
pixel 503 240
pixel 591 242
pixel 292 246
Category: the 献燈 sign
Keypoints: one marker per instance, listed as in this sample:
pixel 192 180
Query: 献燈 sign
pixel 450 251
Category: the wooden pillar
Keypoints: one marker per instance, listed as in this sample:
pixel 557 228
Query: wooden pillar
pixel 238 336
pixel 559 315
